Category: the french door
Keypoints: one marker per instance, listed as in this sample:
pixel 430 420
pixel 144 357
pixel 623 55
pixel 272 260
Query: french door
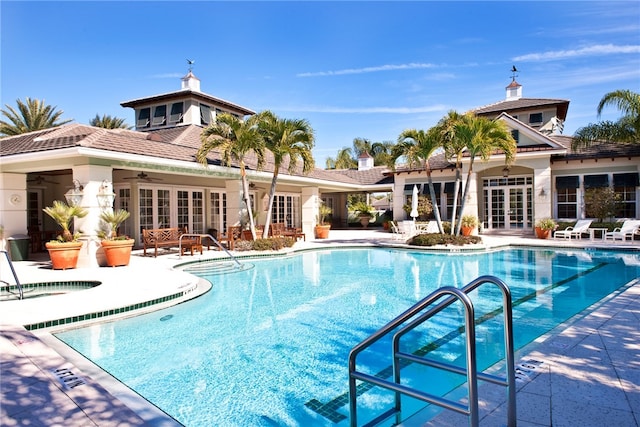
pixel 508 203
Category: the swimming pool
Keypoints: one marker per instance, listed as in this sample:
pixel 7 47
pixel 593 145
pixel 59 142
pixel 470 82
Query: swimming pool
pixel 269 345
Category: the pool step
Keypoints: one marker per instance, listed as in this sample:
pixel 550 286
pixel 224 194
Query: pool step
pixel 215 268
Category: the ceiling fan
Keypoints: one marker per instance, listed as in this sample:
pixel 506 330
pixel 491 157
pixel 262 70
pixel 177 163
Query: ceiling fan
pixel 143 177
pixel 39 180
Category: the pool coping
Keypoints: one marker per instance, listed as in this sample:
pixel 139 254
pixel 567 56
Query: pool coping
pixel 173 262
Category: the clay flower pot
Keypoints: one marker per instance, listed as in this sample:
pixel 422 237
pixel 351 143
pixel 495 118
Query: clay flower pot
pixel 64 255
pixel 322 231
pixel 117 252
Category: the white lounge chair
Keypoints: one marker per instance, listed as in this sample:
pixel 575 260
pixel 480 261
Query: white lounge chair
pixel 582 226
pixel 395 231
pixel 407 229
pixel 628 229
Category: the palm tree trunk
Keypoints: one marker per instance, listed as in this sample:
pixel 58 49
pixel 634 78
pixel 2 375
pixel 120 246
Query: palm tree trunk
pixel 456 190
pixel 247 200
pixel 272 196
pixel 464 197
pixel 434 202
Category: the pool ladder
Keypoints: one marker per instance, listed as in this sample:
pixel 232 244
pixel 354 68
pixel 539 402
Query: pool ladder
pixel 213 239
pixel 414 317
pixel 15 276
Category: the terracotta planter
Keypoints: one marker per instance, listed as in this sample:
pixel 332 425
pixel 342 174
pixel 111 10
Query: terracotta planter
pixel 322 231
pixel 542 233
pixel 364 220
pixel 466 231
pixel 64 255
pixel 117 252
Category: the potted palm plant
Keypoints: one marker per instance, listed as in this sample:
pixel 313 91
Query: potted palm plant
pixel 64 251
pixel 468 224
pixel 322 228
pixel 117 249
pixel 544 227
pixel 364 211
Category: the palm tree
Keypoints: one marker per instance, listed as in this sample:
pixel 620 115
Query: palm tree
pixel 625 130
pixel 454 147
pixel 481 137
pixel 344 160
pixel 235 139
pixel 109 122
pixel 292 138
pixel 31 115
pixel 417 146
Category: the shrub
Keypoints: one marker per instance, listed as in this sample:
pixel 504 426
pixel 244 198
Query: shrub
pixel 243 245
pixel 273 243
pixel 433 239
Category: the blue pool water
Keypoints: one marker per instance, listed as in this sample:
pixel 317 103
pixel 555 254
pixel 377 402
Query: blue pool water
pixel 268 346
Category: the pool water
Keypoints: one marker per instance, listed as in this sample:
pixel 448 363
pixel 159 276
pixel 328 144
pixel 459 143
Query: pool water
pixel 269 345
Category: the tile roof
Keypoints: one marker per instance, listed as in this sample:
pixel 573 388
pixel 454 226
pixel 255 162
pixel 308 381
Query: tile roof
pixel 181 94
pixel 523 104
pixel 178 143
pixel 602 150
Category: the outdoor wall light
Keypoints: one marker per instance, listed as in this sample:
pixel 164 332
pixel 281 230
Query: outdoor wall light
pixel 542 193
pixel 105 195
pixel 74 195
pixel 505 172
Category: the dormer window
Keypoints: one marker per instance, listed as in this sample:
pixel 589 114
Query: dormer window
pixel 159 115
pixel 516 135
pixel 144 115
pixel 176 113
pixel 205 115
pixel 535 119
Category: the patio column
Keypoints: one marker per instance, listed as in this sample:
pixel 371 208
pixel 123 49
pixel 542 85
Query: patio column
pixel 309 198
pixel 90 177
pixel 542 197
pixel 13 205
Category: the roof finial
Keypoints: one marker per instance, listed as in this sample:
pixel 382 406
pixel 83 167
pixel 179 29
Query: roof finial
pixel 191 62
pixel 514 70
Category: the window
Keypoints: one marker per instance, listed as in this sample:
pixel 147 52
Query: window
pixel 143 118
pixel 596 181
pixel 218 214
pixel 190 210
pixel 516 135
pixel 625 184
pixel 535 118
pixel 159 115
pixel 205 115
pixel 177 109
pixel 567 196
pixel 449 188
pixel 123 201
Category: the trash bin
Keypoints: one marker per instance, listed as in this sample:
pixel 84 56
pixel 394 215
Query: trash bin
pixel 19 247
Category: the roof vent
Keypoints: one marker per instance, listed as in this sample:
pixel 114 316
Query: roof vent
pixel 154 137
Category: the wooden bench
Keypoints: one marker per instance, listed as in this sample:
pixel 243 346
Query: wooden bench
pixel 169 238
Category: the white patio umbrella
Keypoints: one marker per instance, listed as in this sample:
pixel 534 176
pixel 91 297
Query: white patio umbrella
pixel 414 203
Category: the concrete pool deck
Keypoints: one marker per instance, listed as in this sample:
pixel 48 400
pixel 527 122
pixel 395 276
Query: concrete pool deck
pixel 587 371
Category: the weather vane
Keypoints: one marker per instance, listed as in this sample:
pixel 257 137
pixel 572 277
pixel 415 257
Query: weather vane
pixel 191 62
pixel 514 70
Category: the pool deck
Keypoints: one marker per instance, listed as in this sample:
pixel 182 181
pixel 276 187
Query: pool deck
pixel 585 372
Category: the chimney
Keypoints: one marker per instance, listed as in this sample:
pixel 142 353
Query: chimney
pixel 365 161
pixel 191 82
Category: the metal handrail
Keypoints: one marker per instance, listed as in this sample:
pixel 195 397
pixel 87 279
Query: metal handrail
pixel 472 375
pixel 214 241
pixel 15 276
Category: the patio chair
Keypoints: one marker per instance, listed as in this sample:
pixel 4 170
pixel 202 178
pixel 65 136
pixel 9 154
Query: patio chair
pixel 628 229
pixel 577 230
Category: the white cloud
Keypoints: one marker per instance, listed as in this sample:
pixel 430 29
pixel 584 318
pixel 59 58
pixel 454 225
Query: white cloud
pixel 596 50
pixel 388 67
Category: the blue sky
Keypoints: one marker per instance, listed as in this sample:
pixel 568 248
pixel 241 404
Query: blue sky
pixel 353 69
